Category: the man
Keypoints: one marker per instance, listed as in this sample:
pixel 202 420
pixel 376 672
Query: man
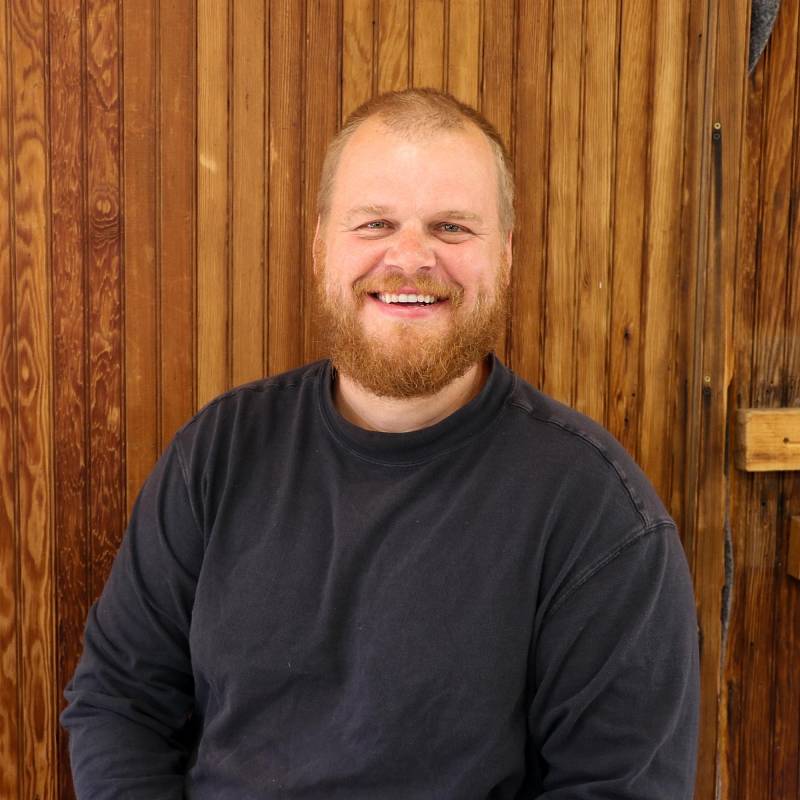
pixel 403 572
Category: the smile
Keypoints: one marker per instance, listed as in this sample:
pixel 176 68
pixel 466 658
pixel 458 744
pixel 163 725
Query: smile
pixel 425 299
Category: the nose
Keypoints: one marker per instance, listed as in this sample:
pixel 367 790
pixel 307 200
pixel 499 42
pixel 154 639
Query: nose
pixel 410 251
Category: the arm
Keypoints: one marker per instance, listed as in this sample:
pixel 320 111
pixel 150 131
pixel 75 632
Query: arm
pixel 131 699
pixel 614 712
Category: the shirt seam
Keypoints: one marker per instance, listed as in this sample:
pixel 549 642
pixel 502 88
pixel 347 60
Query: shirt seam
pixel 594 568
pixel 185 477
pixel 637 504
pixel 259 387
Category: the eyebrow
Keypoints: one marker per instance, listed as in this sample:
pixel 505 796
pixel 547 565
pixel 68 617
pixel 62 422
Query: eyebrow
pixel 382 211
pixel 464 216
pixel 365 211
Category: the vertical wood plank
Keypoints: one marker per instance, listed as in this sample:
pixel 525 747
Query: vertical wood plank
pixel 663 268
pixel 34 371
pixel 358 57
pixel 564 192
pixel 10 721
pixel 497 86
pixel 630 203
pixel 394 18
pixel 786 747
pixel 532 128
pixel 428 49
pixel 213 245
pixel 104 287
pixel 708 541
pixel 248 187
pixel 745 509
pixel 759 574
pixel 464 50
pixel 597 175
pixel 176 234
pixel 321 117
pixel 285 328
pixel 69 310
pixel 142 430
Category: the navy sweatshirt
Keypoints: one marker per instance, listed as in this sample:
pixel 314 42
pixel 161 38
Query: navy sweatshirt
pixel 497 606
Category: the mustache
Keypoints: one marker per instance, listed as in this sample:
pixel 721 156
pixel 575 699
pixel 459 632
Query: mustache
pixel 392 282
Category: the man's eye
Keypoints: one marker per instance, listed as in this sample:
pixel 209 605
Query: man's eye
pixel 375 225
pixel 451 227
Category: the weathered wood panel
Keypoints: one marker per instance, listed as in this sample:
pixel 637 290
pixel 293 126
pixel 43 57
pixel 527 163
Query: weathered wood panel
pixel 631 180
pixel 761 663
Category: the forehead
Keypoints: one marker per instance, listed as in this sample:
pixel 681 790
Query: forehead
pixel 453 168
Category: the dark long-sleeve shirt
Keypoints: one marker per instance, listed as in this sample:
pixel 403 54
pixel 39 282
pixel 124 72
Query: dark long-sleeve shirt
pixel 497 606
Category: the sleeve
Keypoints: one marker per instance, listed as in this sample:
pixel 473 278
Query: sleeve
pixel 130 701
pixel 614 710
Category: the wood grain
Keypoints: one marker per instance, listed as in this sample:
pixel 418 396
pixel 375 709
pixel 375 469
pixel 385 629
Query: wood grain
pixel 786 737
pixel 104 286
pixel 248 268
pixel 768 440
pixel 428 47
pixel 212 164
pixel 464 25
pixel 285 337
pixel 10 720
pixel 745 503
pixel 69 310
pixel 590 376
pixel 176 163
pixel 629 232
pixel 213 188
pixel 36 624
pixel 759 574
pixel 706 520
pixel 497 87
pixel 564 197
pixel 321 115
pixel 394 23
pixel 793 557
pixel 358 54
pixel 141 298
pixel 531 149
pixel 660 291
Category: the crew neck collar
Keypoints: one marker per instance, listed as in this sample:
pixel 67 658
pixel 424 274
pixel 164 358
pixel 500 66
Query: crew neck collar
pixel 425 444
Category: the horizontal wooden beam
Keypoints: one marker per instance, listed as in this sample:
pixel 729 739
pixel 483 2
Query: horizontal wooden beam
pixel 793 561
pixel 768 439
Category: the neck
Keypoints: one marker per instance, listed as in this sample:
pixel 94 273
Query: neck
pixel 392 415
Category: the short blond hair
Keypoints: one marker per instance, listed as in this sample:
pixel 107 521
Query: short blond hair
pixel 415 112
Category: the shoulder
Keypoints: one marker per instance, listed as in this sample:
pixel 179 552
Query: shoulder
pixel 251 412
pixel 581 452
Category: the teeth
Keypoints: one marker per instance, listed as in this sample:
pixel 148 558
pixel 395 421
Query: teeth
pixel 406 298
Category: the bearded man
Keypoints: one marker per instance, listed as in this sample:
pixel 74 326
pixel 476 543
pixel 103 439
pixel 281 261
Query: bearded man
pixel 401 572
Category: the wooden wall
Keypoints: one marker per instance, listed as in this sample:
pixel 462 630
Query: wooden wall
pixel 761 691
pixel 158 167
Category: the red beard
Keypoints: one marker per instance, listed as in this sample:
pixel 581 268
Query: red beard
pixel 411 361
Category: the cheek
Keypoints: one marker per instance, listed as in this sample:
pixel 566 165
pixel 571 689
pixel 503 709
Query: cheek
pixel 346 264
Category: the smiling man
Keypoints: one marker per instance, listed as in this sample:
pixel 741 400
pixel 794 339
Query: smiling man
pixel 401 572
